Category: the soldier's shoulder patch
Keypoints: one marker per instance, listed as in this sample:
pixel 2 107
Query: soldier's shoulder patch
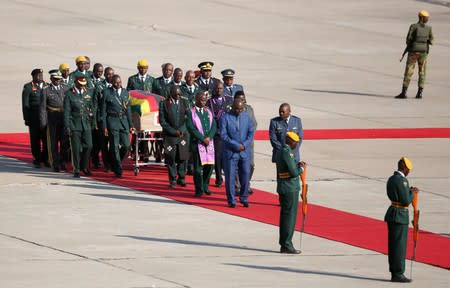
pixel 291 154
pixel 405 183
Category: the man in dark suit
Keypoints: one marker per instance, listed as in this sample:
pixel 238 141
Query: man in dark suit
pixel 397 218
pixel 141 80
pixel 31 99
pixel 230 88
pixel 162 84
pixel 117 124
pixel 237 131
pixel 206 82
pixel 282 124
pixel 173 112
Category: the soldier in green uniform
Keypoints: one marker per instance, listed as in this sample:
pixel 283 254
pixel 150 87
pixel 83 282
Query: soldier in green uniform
pixel 116 121
pixel 81 62
pixel 418 41
pixel 141 80
pixel 178 77
pixel 31 99
pixel 103 140
pixel 397 218
pixel 162 84
pixel 99 83
pixel 202 128
pixel 189 89
pixel 79 114
pixel 65 73
pixel 288 188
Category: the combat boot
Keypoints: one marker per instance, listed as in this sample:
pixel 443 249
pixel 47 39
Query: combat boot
pixel 403 94
pixel 419 93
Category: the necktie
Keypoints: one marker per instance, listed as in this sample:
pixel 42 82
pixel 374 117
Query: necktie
pixel 142 78
pixel 166 81
pixel 206 82
pixel 192 89
pixel 229 88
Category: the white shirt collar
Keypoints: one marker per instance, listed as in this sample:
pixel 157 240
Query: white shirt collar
pixel 401 173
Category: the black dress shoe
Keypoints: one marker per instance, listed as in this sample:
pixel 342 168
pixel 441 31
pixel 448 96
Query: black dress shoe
pixel 285 250
pixel 56 169
pixel 245 204
pixel 36 164
pixel 198 195
pixel 207 192
pixel 63 167
pixel 173 185
pixel 118 174
pixel 76 175
pixel 400 279
pixel 232 205
pixel 181 182
pixel 47 164
pixel 87 172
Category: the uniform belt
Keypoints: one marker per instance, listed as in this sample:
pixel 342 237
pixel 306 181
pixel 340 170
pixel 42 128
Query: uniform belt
pixel 54 109
pixel 284 175
pixel 399 205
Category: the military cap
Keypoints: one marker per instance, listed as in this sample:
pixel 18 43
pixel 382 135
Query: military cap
pixel 207 65
pixel 80 58
pixel 227 73
pixel 407 162
pixel 80 78
pixel 55 73
pixel 142 63
pixel 293 136
pixel 424 13
pixel 63 66
pixel 36 71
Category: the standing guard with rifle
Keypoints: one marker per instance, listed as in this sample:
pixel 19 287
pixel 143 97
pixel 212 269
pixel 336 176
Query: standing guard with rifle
pixel 418 41
pixel 397 218
pixel 288 188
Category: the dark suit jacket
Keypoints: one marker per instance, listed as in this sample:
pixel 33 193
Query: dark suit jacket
pixel 277 132
pixel 236 130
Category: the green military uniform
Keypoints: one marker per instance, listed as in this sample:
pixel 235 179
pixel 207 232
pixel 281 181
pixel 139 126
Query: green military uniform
pixel 162 88
pixel 90 84
pixel 79 114
pixel 202 173
pixel 136 82
pixel 31 99
pixel 116 117
pixel 99 140
pixel 419 37
pixel 188 93
pixel 397 218
pixel 288 187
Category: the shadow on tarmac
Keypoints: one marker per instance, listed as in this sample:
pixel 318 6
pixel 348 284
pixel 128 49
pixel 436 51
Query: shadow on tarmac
pixel 345 93
pixel 133 198
pixel 196 243
pixel 286 269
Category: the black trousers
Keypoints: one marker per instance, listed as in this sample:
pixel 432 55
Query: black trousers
pixel 38 138
pixel 57 144
pixel 218 168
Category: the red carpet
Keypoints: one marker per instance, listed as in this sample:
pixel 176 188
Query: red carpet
pixel 323 222
pixel 333 134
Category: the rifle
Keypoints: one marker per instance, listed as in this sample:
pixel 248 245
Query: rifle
pixel 415 204
pixel 404 52
pixel 304 203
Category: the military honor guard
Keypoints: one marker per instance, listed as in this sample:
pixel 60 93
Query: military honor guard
pixel 141 80
pixel 237 132
pixel 81 62
pixel 397 217
pixel 31 99
pixel 218 106
pixel 202 128
pixel 117 123
pixel 162 84
pixel 206 82
pixel 52 117
pixel 173 113
pixel 230 88
pixel 418 41
pixel 79 114
pixel 98 81
pixel 282 124
pixel 288 188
